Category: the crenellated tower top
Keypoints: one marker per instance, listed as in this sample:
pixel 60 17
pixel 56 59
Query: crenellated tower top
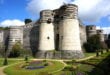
pixel 69 11
pixel 46 16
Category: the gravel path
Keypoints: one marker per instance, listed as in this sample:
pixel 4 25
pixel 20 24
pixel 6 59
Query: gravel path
pixel 1 70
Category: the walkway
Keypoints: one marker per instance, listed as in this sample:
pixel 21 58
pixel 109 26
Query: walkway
pixel 1 70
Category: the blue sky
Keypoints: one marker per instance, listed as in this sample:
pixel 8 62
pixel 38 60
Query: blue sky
pixel 91 12
pixel 13 9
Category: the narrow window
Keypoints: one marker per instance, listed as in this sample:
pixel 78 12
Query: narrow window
pixel 48 37
pixel 49 21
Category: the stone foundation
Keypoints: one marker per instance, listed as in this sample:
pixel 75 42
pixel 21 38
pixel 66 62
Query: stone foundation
pixel 72 54
pixel 65 54
pixel 45 54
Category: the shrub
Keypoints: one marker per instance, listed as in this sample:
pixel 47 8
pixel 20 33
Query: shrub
pixel 15 52
pixel 46 64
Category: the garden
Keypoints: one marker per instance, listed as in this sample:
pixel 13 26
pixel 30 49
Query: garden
pixel 34 67
pixel 94 66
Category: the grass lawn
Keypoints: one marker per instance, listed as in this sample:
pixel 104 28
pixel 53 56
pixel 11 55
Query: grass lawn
pixel 10 61
pixel 87 69
pixel 17 70
pixel 56 69
pixel 89 54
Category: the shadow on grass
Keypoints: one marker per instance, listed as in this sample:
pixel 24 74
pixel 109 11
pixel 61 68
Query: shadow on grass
pixel 103 68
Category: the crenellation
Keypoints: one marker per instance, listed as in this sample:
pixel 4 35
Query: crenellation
pixel 46 16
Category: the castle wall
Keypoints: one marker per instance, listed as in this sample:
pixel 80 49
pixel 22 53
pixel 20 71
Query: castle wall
pixel 46 37
pixel 91 30
pixel 16 35
pixel 31 37
pixel 57 29
pixel 46 32
pixel 1 36
pixel 70 39
pixel 100 33
pixel 1 39
pixel 83 35
pixel 70 43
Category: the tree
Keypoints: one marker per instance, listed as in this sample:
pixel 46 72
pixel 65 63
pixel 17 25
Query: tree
pixel 93 43
pixel 108 41
pixel 16 50
pixel 27 21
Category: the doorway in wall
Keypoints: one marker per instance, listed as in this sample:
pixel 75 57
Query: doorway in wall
pixel 57 42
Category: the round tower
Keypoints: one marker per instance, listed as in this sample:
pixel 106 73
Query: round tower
pixel 91 30
pixel 70 44
pixel 46 32
pixel 15 35
pixel 100 33
pixel 1 39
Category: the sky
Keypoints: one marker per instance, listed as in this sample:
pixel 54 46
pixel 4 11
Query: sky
pixel 91 12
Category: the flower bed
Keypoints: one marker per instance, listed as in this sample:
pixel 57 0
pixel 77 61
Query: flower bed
pixel 36 65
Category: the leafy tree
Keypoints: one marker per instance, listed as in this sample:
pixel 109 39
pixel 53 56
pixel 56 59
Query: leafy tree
pixel 5 61
pixel 108 41
pixel 93 43
pixel 26 59
pixel 25 52
pixel 16 50
pixel 27 21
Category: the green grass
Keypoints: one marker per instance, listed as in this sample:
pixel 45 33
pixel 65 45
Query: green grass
pixel 16 70
pixel 10 61
pixel 89 69
pixel 89 54
pixel 97 60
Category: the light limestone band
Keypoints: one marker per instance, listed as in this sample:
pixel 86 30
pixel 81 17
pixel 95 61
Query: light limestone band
pixel 70 38
pixel 46 37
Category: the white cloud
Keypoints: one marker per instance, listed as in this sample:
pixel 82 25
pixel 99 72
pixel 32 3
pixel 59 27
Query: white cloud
pixel 109 18
pixel 106 30
pixel 89 10
pixel 14 22
pixel 93 10
pixel 35 6
pixel 98 27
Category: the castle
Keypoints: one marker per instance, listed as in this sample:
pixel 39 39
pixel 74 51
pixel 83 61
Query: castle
pixel 58 29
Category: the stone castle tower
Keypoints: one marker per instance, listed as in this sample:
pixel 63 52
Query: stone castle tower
pixel 62 24
pixel 69 43
pixel 100 33
pixel 91 30
pixel 58 33
pixel 16 35
pixel 46 31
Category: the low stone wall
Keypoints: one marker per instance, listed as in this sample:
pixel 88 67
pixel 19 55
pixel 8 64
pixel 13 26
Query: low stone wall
pixel 45 54
pixel 67 54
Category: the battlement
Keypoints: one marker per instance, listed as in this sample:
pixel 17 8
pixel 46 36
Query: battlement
pixel 46 16
pixel 69 11
pixel 91 27
pixel 99 31
pixel 91 30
